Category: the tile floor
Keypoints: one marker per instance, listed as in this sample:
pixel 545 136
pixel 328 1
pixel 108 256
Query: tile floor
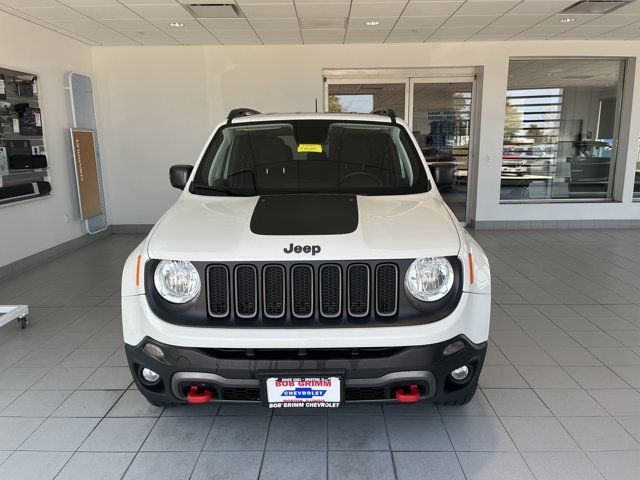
pixel 559 398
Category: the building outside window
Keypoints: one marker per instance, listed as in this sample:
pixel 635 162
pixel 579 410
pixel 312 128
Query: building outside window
pixel 561 129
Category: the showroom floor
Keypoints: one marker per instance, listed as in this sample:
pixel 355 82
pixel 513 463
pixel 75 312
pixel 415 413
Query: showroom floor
pixel 560 389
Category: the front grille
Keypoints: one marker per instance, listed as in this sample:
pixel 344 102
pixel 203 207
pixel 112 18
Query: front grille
pixel 300 293
pixel 358 290
pixel 246 291
pixel 354 394
pixel 245 394
pixel 302 290
pixel 218 282
pixel 273 291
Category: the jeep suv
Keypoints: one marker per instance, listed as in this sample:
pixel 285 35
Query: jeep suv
pixel 309 262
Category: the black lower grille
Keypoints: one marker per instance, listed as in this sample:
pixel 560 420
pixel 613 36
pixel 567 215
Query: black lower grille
pixel 241 394
pixel 364 393
pixel 273 288
pixel 358 290
pixel 330 290
pixel 302 290
pixel 386 289
pixel 246 291
pixel 218 281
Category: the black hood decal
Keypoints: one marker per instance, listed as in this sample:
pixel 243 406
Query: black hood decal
pixel 305 215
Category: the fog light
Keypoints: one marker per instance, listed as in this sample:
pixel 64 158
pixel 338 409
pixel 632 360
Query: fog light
pixel 452 348
pixel 150 376
pixel 154 350
pixel 459 374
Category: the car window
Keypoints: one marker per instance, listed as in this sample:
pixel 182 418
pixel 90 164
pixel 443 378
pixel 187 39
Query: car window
pixel 310 156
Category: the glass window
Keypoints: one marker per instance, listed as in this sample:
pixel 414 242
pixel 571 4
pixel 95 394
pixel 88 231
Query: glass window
pixel 310 156
pixel 561 120
pixel 364 98
pixel 636 181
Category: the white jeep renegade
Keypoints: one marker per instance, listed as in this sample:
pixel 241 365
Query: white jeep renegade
pixel 309 262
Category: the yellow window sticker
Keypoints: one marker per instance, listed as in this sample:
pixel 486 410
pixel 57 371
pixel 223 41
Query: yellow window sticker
pixel 309 148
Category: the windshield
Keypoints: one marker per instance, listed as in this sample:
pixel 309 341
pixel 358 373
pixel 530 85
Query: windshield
pixel 310 156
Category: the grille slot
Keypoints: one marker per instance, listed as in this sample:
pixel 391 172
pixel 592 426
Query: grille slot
pixel 302 291
pixel 246 394
pixel 330 291
pixel 273 291
pixel 218 291
pixel 358 291
pixel 364 393
pixel 386 289
pixel 246 279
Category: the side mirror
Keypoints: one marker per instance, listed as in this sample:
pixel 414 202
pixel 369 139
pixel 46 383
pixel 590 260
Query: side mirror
pixel 179 175
pixel 444 173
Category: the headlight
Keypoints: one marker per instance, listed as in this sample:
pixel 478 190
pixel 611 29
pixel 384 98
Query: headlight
pixel 177 281
pixel 429 279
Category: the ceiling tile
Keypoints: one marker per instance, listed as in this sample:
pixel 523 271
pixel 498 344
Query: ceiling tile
pixel 274 23
pixel 615 20
pixel 469 21
pixel 104 12
pixel 362 33
pixel 529 37
pixel 282 41
pixel 278 34
pixel 30 3
pixel 502 29
pixel 489 38
pixel 550 7
pixel 252 2
pixel 335 35
pixel 412 32
pixel 159 11
pixel 308 10
pixel 420 22
pixel 272 10
pixel 566 36
pixel 317 23
pixel 376 9
pixel 546 29
pixel 593 29
pixel 153 2
pixel 631 8
pixel 52 13
pixel 456 31
pixel 486 8
pixel 130 25
pixel 219 24
pixel 520 19
pixel 78 3
pixel 383 23
pixel 430 9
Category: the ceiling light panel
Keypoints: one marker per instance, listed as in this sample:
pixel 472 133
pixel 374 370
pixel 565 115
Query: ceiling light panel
pixel 598 7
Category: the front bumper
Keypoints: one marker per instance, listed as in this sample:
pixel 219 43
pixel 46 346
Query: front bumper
pixel 370 374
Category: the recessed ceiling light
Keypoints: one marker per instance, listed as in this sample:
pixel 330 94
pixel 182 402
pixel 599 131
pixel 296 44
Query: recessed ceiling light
pixel 372 23
pixel 567 20
pixel 176 24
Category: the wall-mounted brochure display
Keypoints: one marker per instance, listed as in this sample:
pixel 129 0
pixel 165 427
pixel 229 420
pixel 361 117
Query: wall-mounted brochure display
pixel 24 172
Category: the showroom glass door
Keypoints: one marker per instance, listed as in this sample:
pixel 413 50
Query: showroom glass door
pixel 364 96
pixel 441 117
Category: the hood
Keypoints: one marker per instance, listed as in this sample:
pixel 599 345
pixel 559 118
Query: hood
pixel 199 228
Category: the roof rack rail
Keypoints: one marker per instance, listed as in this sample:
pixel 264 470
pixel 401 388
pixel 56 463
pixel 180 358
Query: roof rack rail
pixel 386 112
pixel 240 112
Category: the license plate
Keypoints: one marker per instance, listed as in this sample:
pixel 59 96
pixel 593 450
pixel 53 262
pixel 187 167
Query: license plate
pixel 297 392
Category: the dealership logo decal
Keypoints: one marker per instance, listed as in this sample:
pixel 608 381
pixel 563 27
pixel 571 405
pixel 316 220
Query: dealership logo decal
pixel 303 393
pixel 312 249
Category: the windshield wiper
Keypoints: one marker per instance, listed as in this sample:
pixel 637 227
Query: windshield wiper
pixel 209 188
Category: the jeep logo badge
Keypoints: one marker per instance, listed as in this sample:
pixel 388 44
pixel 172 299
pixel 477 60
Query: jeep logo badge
pixel 312 249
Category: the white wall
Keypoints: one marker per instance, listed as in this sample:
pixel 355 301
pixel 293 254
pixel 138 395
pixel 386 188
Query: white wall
pixel 158 104
pixel 30 227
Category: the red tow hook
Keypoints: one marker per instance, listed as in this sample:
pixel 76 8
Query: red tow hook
pixel 194 396
pixel 408 397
